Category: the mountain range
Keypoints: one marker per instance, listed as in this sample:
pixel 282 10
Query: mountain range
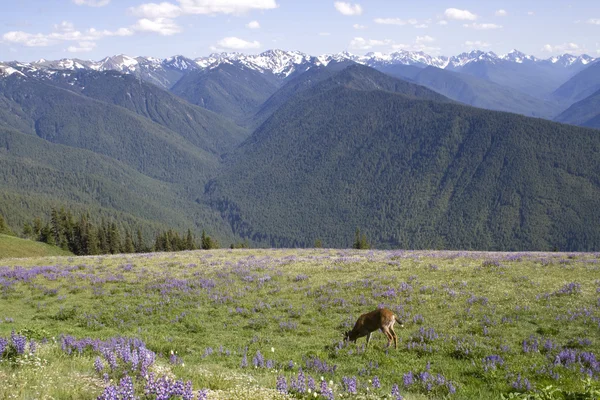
pixel 513 82
pixel 283 148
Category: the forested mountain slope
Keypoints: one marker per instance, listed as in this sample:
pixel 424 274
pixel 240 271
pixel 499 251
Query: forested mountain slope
pixel 230 90
pixel 411 172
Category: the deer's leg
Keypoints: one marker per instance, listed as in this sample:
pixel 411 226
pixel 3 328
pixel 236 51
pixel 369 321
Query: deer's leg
pixel 395 337
pixel 368 338
pixel 388 335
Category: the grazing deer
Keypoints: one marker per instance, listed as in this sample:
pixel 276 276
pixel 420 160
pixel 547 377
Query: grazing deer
pixel 381 318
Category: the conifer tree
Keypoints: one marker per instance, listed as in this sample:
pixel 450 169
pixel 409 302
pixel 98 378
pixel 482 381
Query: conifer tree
pixel 189 241
pixel 128 246
pixel 27 230
pixel 114 239
pixel 140 247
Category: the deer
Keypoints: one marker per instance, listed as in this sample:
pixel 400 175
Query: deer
pixel 382 318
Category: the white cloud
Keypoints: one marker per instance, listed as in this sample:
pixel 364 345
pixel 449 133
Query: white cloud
pixel 422 26
pixel 359 26
pixel 395 21
pixel 162 26
pixel 530 13
pixel 482 27
pixel 359 43
pixel 63 32
pixel 234 43
pixel 83 47
pixel 593 21
pixel 501 13
pixel 477 44
pixel 171 10
pixel 561 48
pixel 27 39
pixel 153 10
pixel 424 39
pixel 92 3
pixel 443 22
pixel 421 43
pixel 348 8
pixel 455 13
pixel 390 21
pixel 253 25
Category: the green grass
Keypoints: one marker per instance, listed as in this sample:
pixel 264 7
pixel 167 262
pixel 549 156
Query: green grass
pixel 11 246
pixel 292 305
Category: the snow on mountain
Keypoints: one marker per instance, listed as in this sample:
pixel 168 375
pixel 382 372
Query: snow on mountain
pixel 473 56
pixel 518 57
pixel 6 70
pixel 281 63
pixel 180 63
pixel 278 62
pixel 566 60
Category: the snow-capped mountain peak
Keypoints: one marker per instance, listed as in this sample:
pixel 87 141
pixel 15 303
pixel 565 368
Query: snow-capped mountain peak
pixel 518 57
pixel 6 70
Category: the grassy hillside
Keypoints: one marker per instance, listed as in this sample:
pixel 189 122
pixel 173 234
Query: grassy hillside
pixel 11 246
pixel 241 324
pixel 410 173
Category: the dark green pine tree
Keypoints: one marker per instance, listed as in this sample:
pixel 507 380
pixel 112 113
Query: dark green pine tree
pixel 114 239
pixel 37 227
pixel 103 246
pixel 47 235
pixel 56 228
pixel 207 242
pixel 189 241
pixel 27 230
pixel 93 244
pixel 128 246
pixel 360 241
pixel 140 247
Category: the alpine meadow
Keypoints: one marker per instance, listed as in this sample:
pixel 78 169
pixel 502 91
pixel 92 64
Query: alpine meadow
pixel 299 200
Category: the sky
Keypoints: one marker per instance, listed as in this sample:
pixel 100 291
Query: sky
pixel 94 29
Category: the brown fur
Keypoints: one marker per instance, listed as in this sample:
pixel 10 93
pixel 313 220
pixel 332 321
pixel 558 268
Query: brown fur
pixel 382 318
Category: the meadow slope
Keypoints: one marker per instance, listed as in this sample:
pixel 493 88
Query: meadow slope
pixel 240 324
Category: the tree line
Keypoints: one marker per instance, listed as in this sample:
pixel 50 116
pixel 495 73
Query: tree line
pixel 83 236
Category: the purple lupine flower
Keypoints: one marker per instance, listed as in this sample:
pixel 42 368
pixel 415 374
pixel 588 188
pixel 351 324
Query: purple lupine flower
pixel 311 383
pixel 301 381
pixel 258 361
pixel 281 384
pixel 245 359
pixel 32 346
pixel 125 389
pixel 202 394
pixel 19 342
pixel 326 392
pixel 408 379
pixel 451 388
pixel 350 384
pixel 376 383
pixel 98 365
pixel 3 345
pixel 110 393
pixel 396 393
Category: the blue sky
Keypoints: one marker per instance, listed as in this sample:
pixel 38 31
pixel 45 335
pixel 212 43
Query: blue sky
pixel 93 29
